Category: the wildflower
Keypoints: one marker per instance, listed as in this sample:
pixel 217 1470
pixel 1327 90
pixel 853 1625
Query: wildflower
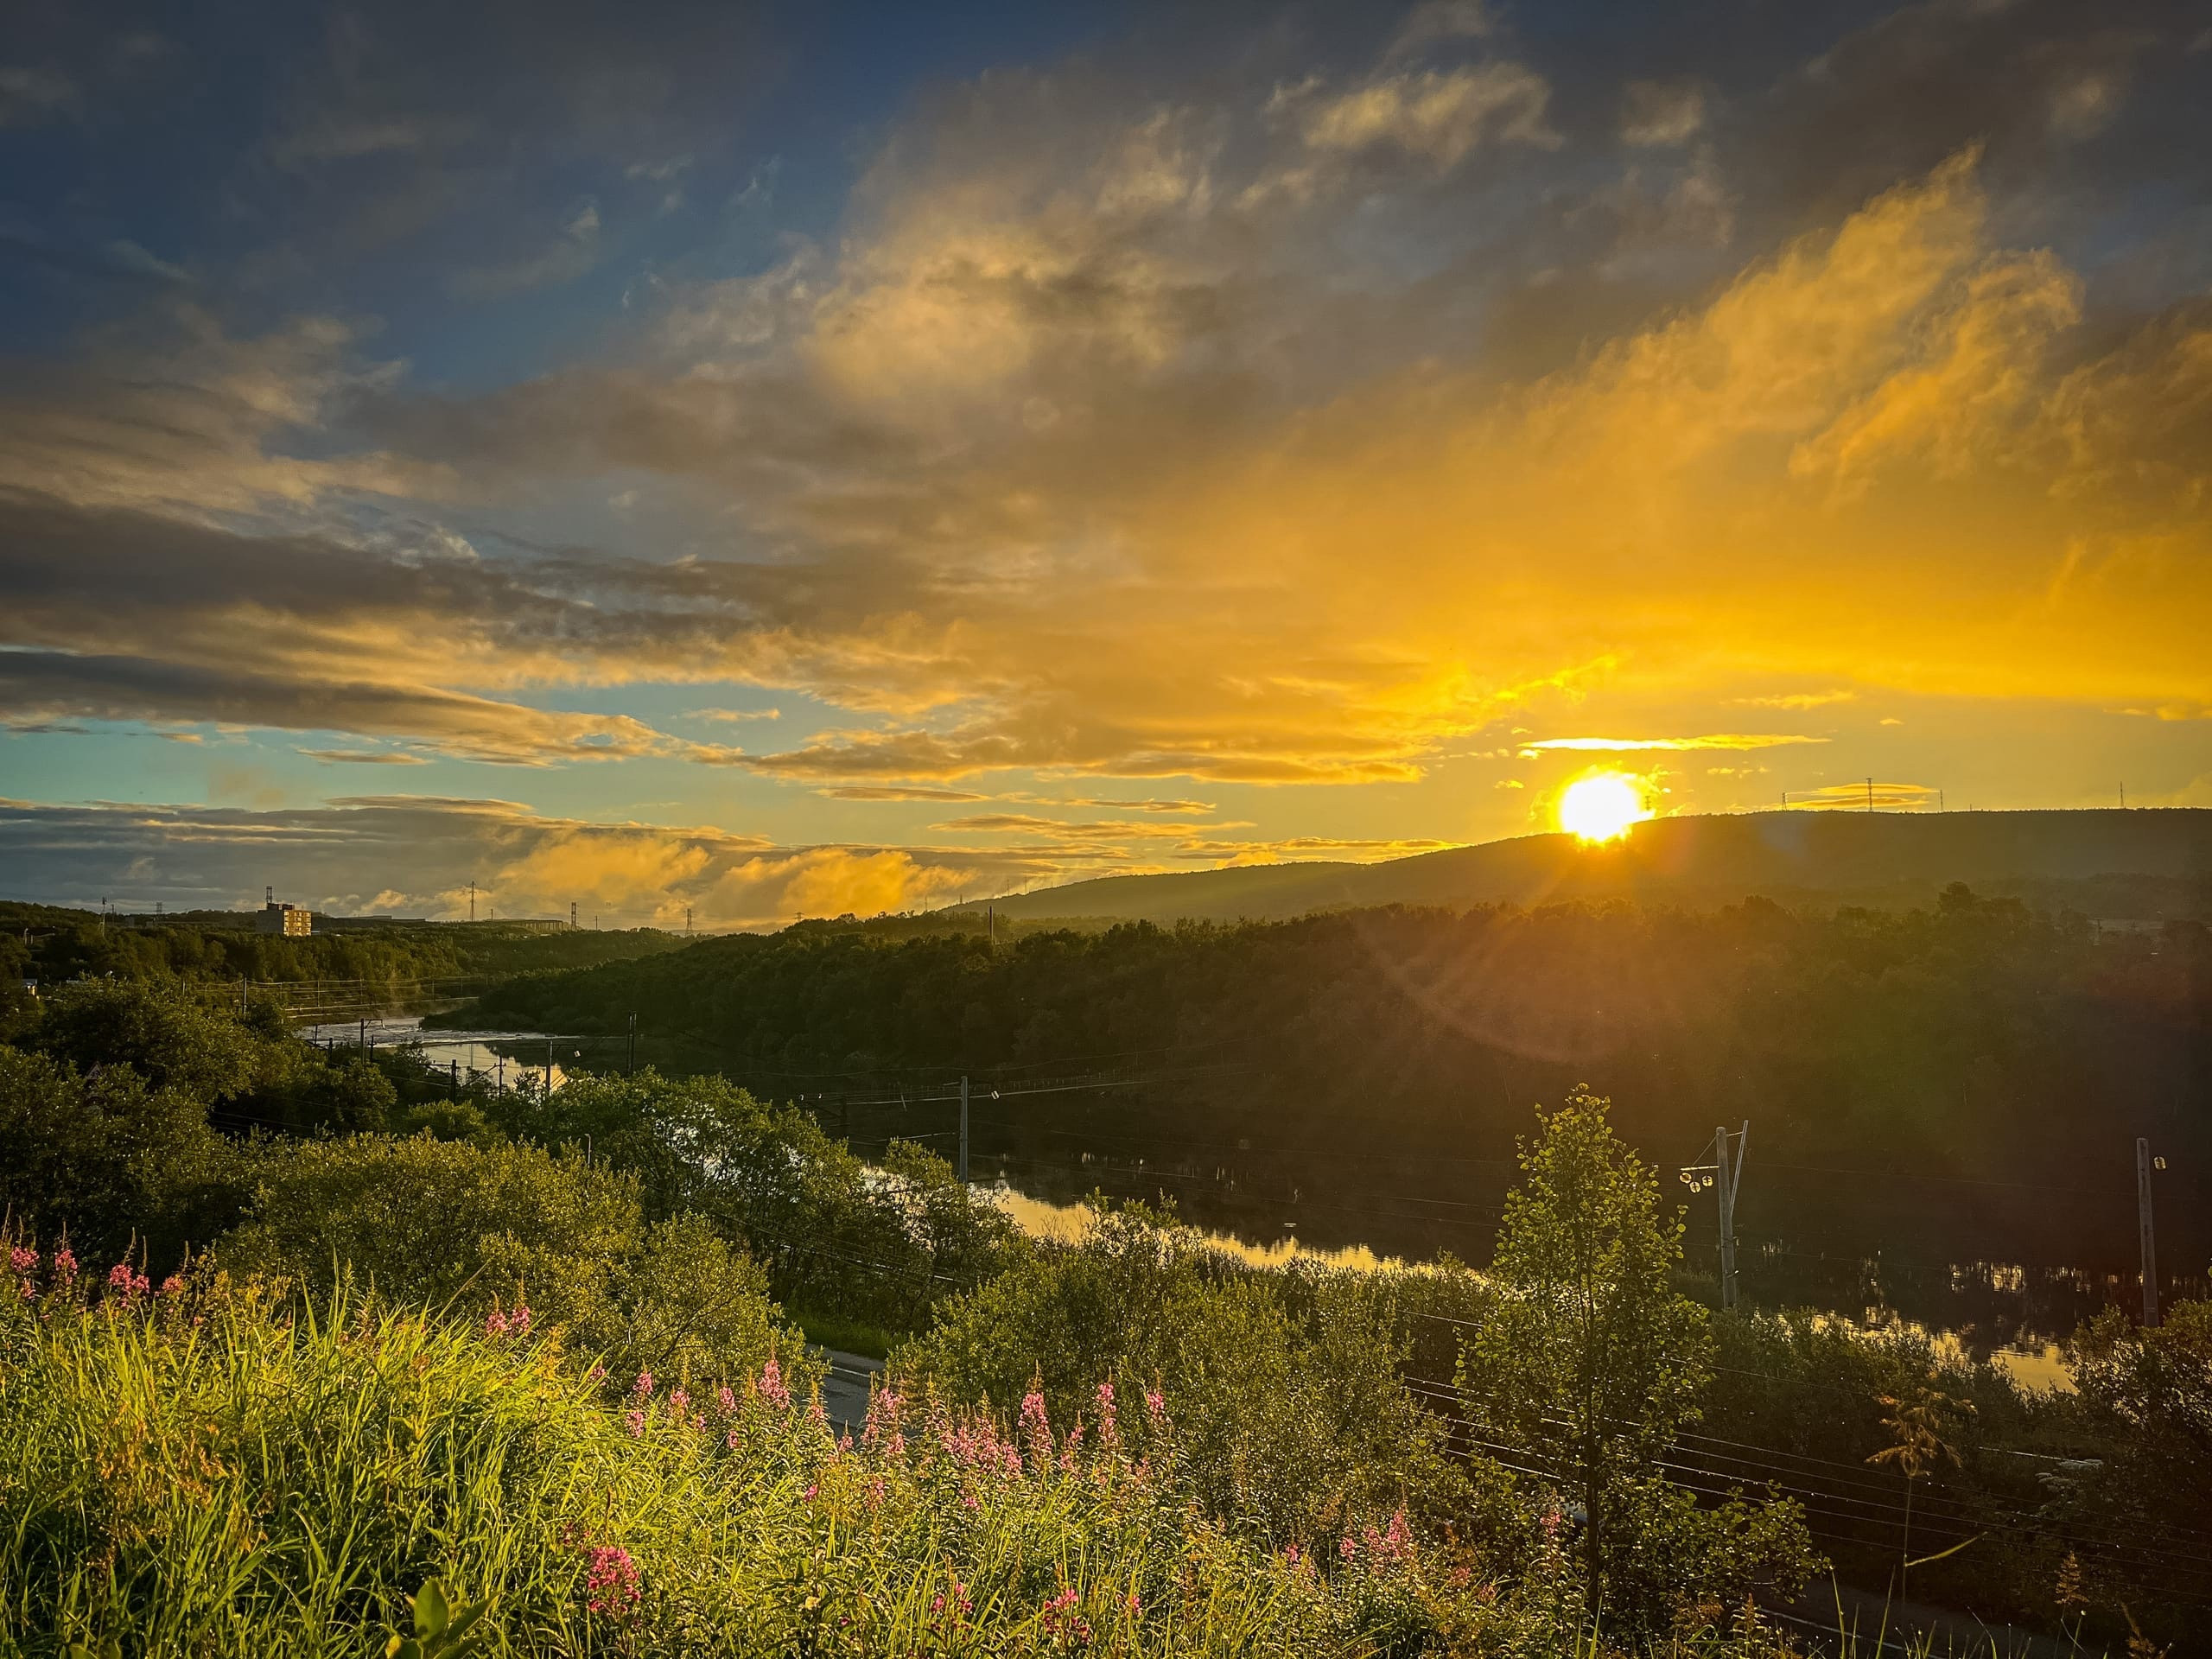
pixel 680 1403
pixel 807 1497
pixel 64 1262
pixel 1036 1428
pixel 174 1285
pixel 731 1440
pixel 644 1385
pixel 1347 1547
pixel 967 1501
pixel 1136 1602
pixel 881 1432
pixel 1155 1403
pixel 1108 1435
pixel 773 1388
pixel 132 1285
pixel 519 1320
pixel 1290 1552
pixel 637 1422
pixel 725 1400
pixel 597 1374
pixel 495 1324
pixel 22 1258
pixel 29 1290
pixel 815 1412
pixel 1074 1445
pixel 613 1582
pixel 1398 1540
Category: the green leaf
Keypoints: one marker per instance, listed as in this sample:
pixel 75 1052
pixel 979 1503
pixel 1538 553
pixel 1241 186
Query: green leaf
pixel 464 1616
pixel 431 1614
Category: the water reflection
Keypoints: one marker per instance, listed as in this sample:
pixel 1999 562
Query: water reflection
pixel 499 1058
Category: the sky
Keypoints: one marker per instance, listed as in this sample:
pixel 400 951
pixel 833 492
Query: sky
pixel 778 460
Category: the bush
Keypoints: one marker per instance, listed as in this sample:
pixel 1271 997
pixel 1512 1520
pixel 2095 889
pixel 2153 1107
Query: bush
pixel 836 1237
pixel 479 1231
pixel 105 1158
pixel 173 1036
pixel 1294 1421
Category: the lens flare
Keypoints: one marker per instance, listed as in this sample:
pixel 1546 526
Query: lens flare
pixel 1601 806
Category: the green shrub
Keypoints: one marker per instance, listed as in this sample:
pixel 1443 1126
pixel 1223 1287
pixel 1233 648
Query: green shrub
pixel 477 1229
pixel 104 1158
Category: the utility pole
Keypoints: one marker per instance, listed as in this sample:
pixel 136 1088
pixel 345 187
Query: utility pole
pixel 472 898
pixel 963 1133
pixel 1726 1175
pixel 1870 794
pixel 687 921
pixel 1731 1176
pixel 2143 1224
pixel 2123 797
pixel 572 915
pixel 634 1045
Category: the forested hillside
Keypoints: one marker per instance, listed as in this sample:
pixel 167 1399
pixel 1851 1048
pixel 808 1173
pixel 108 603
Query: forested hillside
pixel 51 945
pixel 1976 1040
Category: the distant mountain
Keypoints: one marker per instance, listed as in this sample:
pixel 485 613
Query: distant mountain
pixel 2146 865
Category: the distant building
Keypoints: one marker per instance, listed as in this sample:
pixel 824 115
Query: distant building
pixel 291 920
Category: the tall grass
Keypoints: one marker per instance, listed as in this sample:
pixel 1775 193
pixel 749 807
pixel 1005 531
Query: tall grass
pixel 204 1468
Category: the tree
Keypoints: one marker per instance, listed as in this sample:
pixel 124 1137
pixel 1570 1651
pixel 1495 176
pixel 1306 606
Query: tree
pixel 169 1033
pixel 1590 1354
pixel 1917 1422
pixel 104 1158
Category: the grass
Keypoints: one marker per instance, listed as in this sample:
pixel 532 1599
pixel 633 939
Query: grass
pixel 848 1336
pixel 209 1470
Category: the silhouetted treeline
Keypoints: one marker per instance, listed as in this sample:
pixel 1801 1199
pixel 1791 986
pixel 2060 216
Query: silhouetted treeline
pixel 1973 1076
pixel 52 945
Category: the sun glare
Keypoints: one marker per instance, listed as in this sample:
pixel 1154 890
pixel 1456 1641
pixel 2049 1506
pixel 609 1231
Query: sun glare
pixel 1601 806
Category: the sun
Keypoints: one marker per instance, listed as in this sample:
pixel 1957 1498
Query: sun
pixel 1601 806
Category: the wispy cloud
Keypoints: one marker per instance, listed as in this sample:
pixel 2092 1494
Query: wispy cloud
pixel 1711 741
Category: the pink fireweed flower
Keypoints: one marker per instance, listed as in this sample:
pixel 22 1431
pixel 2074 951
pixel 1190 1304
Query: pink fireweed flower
pixel 1155 1403
pixel 881 1433
pixel 174 1285
pixel 1109 1436
pixel 725 1400
pixel 817 1413
pixel 519 1320
pixel 1037 1429
pixel 64 1262
pixel 637 1422
pixel 597 1374
pixel 730 1441
pixel 773 1388
pixel 29 1290
pixel 1348 1547
pixel 495 1324
pixel 807 1497
pixel 644 1385
pixel 1074 1445
pixel 680 1403
pixel 121 1277
pixel 1399 1538
pixel 613 1582
pixel 1136 1602
pixel 22 1258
